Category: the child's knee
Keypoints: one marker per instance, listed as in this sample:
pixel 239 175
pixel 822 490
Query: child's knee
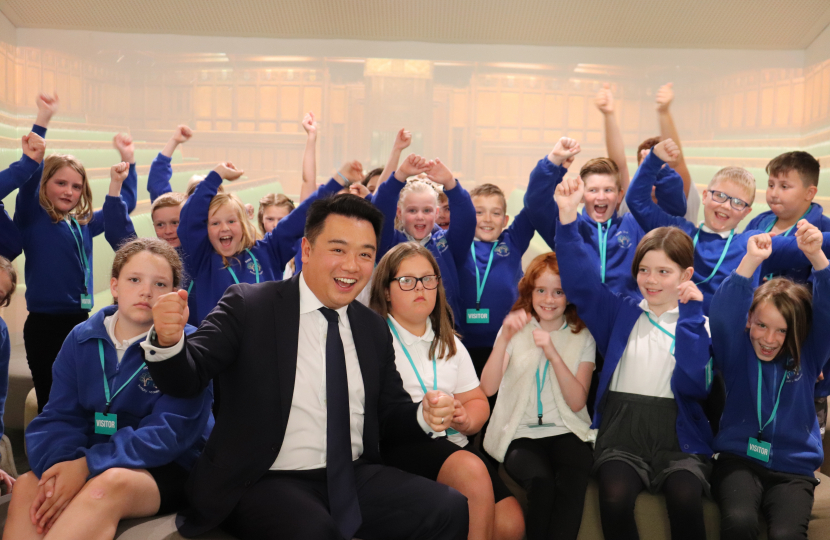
pixel 25 489
pixel 109 484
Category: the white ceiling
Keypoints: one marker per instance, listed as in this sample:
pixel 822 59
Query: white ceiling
pixel 708 24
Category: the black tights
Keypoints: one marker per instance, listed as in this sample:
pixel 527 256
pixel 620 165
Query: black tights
pixel 619 485
pixel 555 472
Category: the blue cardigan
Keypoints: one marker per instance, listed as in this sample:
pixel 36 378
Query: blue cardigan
pixel 206 267
pixel 153 429
pixel 501 288
pixel 611 317
pixel 785 252
pixel 450 248
pixel 794 432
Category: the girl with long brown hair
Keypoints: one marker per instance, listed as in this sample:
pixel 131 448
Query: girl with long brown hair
pixel 407 292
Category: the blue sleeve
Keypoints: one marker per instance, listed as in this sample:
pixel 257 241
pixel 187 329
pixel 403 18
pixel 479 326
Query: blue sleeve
pixel 158 181
pixel 17 174
pixel 596 304
pixel 818 341
pixel 281 241
pixel 129 189
pixel 28 202
pixel 692 375
pixel 786 254
pixel 11 241
pixel 521 230
pixel 539 204
pixel 96 224
pixel 165 434
pixel 461 233
pixel 386 199
pixel 118 227
pixel 728 313
pixel 193 222
pixel 61 432
pixel 669 192
pixel 648 215
pixel 5 354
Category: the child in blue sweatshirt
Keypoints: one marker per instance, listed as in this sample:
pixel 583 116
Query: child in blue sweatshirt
pixel 613 237
pixel 415 205
pixel 109 445
pixel 718 246
pixel 8 283
pixel 792 185
pixel 55 219
pixel 652 430
pixel 490 275
pixel 220 243
pixel 769 443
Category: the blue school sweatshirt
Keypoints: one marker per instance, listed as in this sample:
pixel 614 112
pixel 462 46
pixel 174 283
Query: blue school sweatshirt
pixel 450 248
pixel 794 432
pixel 710 246
pixel 5 355
pixel 158 181
pixel 501 288
pixel 611 317
pixel 766 220
pixel 621 232
pixel 11 241
pixel 206 267
pixel 153 429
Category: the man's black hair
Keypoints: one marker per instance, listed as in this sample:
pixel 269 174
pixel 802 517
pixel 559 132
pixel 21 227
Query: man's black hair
pixel 346 205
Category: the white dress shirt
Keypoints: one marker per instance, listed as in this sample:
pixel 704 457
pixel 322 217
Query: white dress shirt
pixel 304 445
pixel 120 346
pixel 647 364
pixel 456 374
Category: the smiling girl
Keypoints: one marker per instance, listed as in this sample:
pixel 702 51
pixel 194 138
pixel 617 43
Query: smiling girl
pixel 109 445
pixel 652 430
pixel 768 454
pixel 541 366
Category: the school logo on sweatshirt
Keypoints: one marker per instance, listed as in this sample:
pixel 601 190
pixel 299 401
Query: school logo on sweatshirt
pixel 794 375
pixel 146 384
pixel 624 239
pixel 502 250
pixel 441 244
pixel 254 268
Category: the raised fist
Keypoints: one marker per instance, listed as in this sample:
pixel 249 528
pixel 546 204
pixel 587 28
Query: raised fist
pixel 182 134
pixel 665 95
pixel 169 317
pixel 309 125
pixel 34 146
pixel 667 151
pixel 605 99
pixel 227 171
pixel 124 144
pixel 403 140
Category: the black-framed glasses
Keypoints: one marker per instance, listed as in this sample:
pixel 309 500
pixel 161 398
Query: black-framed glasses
pixel 734 202
pixel 407 283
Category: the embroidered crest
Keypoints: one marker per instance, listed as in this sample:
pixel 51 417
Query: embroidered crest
pixel 146 383
pixel 252 268
pixel 502 250
pixel 794 375
pixel 441 244
pixel 624 239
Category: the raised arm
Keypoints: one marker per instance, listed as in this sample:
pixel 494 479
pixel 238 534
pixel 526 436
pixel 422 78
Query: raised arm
pixel 668 189
pixel 11 241
pixel 402 141
pixel 665 96
pixel 693 372
pixel 21 170
pixel 129 189
pixel 538 199
pixel 118 227
pixel 614 145
pixel 460 236
pixel 158 181
pixel 648 214
pixel 309 184
pixel 387 195
pixel 810 242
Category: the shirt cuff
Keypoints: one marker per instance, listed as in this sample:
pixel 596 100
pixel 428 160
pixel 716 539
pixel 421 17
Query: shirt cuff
pixel 157 354
pixel 423 423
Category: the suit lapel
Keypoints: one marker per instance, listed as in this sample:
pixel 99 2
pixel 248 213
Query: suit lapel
pixel 365 353
pixel 286 334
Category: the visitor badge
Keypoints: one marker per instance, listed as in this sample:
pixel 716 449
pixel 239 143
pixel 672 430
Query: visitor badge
pixel 86 301
pixel 478 316
pixel 106 424
pixel 759 450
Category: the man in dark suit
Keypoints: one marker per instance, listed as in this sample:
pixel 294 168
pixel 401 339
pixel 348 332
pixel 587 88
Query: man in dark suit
pixel 309 389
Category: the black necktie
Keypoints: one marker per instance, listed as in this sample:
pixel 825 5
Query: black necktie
pixel 339 468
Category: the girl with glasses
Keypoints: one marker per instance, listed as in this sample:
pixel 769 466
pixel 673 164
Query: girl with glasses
pixel 407 291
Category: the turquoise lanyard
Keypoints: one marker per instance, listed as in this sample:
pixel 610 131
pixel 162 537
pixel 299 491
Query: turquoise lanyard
pixel 655 323
pixel 79 242
pixel 539 387
pixel 450 431
pixel 480 282
pixel 603 248
pixel 192 281
pixel 233 274
pixel 777 401
pixel 722 255
pixel 106 384
pixel 785 233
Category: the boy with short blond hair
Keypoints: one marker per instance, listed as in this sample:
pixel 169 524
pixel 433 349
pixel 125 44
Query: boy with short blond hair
pixel 726 202
pixel 490 275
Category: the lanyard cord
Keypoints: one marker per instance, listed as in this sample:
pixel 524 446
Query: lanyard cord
pixel 480 282
pixel 603 249
pixel 106 384
pixel 722 255
pixel 539 386
pixel 450 431
pixel 777 401
pixel 233 274
pixel 655 323
pixel 79 243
